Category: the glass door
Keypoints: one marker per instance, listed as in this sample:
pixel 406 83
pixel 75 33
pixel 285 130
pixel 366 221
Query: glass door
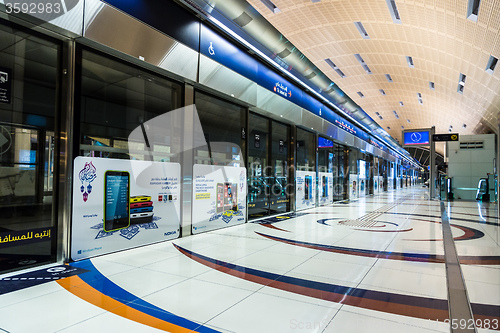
pixel 279 178
pixel 29 79
pixel 258 171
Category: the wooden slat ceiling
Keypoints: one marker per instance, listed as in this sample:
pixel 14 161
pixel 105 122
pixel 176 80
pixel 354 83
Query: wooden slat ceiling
pixel 436 34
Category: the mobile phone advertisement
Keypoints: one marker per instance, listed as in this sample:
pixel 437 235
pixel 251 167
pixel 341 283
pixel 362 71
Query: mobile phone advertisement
pixel 121 204
pixel 305 193
pixel 219 197
pixel 325 187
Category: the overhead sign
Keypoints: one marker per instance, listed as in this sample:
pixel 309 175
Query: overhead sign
pixel 445 137
pixel 416 138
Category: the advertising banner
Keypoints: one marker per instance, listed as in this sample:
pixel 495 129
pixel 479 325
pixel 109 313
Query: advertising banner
pixel 120 204
pixel 325 184
pixel 362 181
pixel 305 193
pixel 219 197
pixel 353 186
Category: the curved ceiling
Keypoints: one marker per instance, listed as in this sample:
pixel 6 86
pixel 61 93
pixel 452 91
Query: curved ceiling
pixel 441 40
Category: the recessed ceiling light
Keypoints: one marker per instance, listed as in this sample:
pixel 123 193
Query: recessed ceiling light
pixel 431 85
pixel 473 10
pixel 388 77
pixel 382 91
pixel 332 65
pixel 362 62
pixel 409 60
pixel 362 30
pixel 393 9
pixel 461 83
pixel 492 63
pixel 271 6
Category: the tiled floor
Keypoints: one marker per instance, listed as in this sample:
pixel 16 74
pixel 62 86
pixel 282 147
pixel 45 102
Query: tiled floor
pixel 373 265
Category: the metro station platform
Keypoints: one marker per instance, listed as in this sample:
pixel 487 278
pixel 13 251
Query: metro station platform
pixel 378 264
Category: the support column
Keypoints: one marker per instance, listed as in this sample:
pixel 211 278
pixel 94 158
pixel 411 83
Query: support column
pixel 187 160
pixel 432 173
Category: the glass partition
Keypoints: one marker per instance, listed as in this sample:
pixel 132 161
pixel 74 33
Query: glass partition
pixel 29 80
pixel 116 98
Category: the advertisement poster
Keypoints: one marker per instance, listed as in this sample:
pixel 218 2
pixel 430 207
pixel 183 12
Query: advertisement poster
pixel 362 181
pixel 353 186
pixel 380 184
pixel 325 184
pixel 120 204
pixel 219 197
pixel 305 194
pixel 390 183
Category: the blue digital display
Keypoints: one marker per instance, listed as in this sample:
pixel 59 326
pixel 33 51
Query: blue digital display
pixel 416 138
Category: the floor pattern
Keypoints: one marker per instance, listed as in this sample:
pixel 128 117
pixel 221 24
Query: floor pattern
pixel 373 265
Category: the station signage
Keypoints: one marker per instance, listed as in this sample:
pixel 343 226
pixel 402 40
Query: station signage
pixel 445 137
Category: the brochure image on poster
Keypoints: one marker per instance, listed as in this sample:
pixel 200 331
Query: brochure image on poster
pixel 219 197
pixel 116 200
pixel 120 204
pixel 305 191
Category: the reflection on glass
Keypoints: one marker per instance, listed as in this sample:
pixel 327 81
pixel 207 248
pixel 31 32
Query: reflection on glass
pixel 27 147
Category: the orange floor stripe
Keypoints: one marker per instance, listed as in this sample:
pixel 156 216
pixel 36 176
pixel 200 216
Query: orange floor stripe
pixel 79 288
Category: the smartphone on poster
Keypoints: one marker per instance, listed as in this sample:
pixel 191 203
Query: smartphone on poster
pixel 116 200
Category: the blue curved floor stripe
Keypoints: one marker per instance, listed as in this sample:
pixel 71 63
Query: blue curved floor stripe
pixel 98 281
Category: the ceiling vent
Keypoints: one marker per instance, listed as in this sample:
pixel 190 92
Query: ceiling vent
pixel 472 145
pixel 431 85
pixel 362 30
pixel 243 19
pixel 271 6
pixel 310 76
pixel 361 94
pixel 393 9
pixel 396 114
pixel 401 104
pixel 382 91
pixel 473 10
pixel 492 63
pixel 285 53
pixel 388 77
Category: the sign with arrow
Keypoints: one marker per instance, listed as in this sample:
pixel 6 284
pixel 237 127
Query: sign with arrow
pixel 445 137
